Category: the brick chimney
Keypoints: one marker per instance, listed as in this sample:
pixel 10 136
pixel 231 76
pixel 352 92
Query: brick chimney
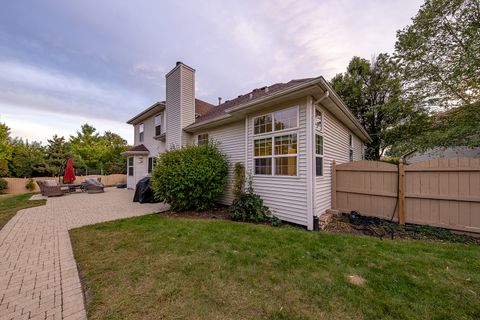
pixel 180 104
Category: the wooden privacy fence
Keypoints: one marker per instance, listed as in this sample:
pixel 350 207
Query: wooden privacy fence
pixel 17 185
pixel 441 192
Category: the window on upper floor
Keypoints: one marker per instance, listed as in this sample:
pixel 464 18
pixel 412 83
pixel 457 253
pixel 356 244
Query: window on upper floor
pixel 141 132
pixel 158 125
pixel 202 139
pixel 318 120
pixel 276 121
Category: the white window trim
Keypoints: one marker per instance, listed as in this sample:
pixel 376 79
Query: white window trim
pixel 323 120
pixel 319 155
pixel 273 155
pixel 272 114
pixel 350 148
pixel 201 134
pixel 155 125
pixel 141 129
pixel 131 166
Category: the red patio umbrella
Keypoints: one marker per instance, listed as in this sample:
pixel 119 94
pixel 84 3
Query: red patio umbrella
pixel 69 175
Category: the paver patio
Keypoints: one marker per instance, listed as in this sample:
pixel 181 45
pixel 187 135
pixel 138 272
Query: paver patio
pixel 38 273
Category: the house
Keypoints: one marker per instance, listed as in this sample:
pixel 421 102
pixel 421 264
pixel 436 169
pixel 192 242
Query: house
pixel 436 153
pixel 286 135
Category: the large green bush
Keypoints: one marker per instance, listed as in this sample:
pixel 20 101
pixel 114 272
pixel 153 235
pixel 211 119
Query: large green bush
pixel 190 177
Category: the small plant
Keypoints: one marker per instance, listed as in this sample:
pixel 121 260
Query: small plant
pixel 248 207
pixel 3 184
pixel 30 185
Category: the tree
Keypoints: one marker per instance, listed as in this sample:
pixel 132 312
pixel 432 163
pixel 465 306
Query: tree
pixel 439 53
pixel 58 151
pixel 5 149
pixel 373 91
pixel 87 148
pixel 28 159
pixel 112 160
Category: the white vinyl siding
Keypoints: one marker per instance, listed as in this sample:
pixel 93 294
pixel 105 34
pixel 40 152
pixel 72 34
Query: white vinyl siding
pixel 335 147
pixel 173 105
pixel 231 139
pixel 188 102
pixel 286 196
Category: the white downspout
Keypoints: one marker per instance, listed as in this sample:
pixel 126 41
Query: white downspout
pixel 325 95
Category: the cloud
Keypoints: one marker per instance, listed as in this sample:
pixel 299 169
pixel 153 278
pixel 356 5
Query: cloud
pixel 27 86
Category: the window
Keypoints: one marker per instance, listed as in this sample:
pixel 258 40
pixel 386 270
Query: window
pixel 363 151
pixel 202 139
pixel 318 155
pixel 158 125
pixel 141 129
pixel 130 166
pixel 262 124
pixel 318 120
pixel 350 142
pixel 285 119
pixel 276 155
pixel 282 120
pixel 152 162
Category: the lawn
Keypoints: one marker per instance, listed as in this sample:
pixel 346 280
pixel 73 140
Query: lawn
pixel 10 204
pixel 153 267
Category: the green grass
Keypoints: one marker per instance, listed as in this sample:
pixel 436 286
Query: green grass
pixel 10 204
pixel 153 267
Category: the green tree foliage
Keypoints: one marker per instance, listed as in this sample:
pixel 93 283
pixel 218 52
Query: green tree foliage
pixel 57 151
pixel 458 126
pixel 112 159
pixel 87 147
pixel 28 159
pixel 190 177
pixel 5 149
pixel 439 53
pixel 373 92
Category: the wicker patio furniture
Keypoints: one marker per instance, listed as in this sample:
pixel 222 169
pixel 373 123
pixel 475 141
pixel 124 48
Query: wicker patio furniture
pixel 93 186
pixel 51 188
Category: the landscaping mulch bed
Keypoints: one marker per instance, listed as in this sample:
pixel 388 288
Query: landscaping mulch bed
pixel 355 223
pixel 219 212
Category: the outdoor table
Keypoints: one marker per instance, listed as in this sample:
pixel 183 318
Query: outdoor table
pixel 73 187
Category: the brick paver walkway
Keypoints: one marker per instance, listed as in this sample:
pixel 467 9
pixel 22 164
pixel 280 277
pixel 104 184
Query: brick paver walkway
pixel 38 273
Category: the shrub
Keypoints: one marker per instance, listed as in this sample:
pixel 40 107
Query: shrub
pixel 238 179
pixel 3 184
pixel 190 177
pixel 30 185
pixel 248 207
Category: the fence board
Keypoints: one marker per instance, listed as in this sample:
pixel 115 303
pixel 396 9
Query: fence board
pixel 441 192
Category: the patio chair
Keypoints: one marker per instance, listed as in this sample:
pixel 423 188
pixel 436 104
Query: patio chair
pixel 50 188
pixel 93 186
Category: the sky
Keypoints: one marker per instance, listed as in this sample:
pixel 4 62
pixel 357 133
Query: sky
pixel 66 63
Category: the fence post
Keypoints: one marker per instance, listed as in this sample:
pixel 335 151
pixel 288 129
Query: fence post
pixel 401 192
pixel 334 185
